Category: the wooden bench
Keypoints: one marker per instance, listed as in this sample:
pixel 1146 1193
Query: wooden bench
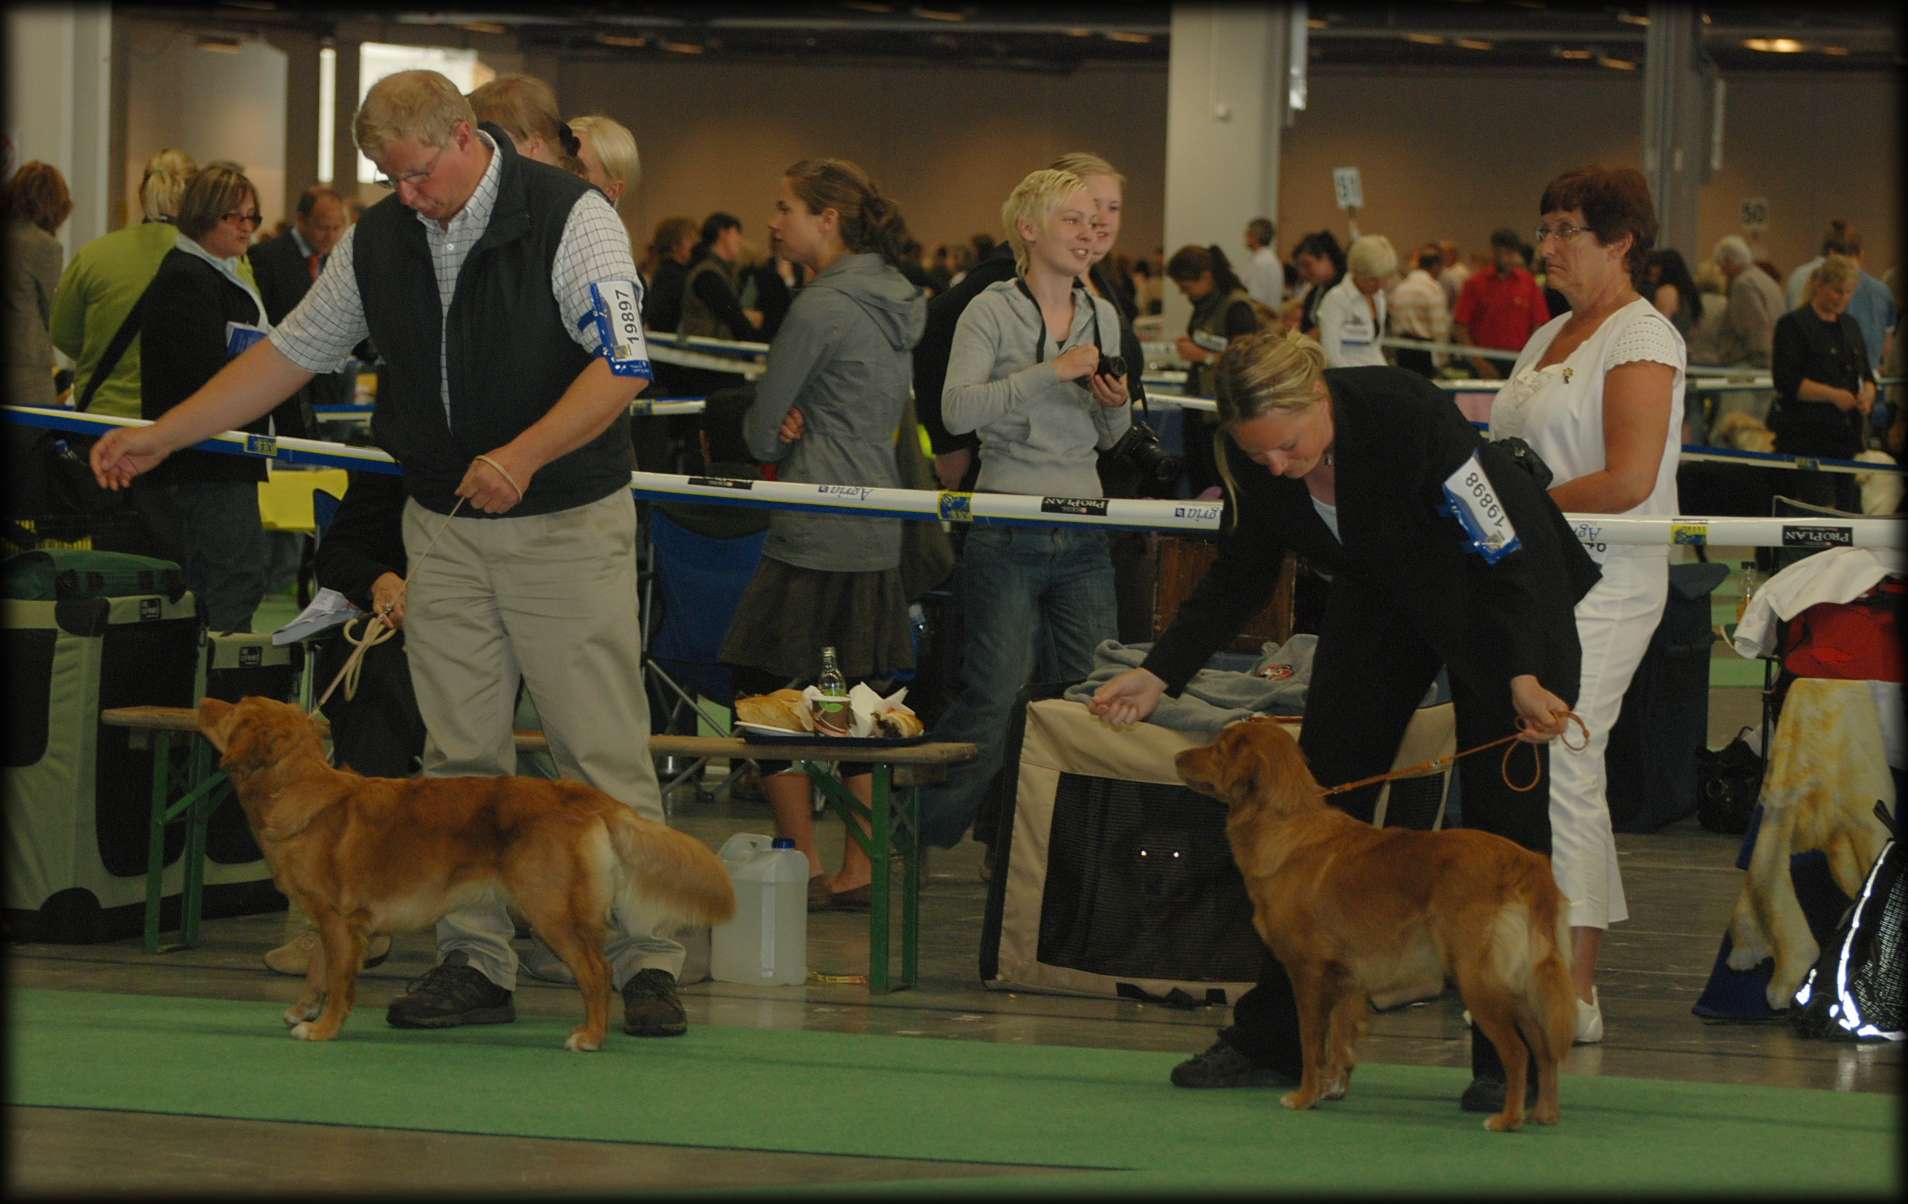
pixel 190 792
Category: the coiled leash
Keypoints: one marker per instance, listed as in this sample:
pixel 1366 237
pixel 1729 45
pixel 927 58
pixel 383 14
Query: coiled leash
pixel 1437 763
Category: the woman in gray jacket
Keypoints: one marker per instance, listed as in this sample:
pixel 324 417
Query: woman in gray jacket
pixel 826 410
pixel 1025 373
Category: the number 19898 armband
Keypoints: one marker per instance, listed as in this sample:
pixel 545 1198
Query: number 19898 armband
pixel 1470 498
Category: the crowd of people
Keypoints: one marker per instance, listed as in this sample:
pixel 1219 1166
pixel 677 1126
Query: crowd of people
pixel 479 287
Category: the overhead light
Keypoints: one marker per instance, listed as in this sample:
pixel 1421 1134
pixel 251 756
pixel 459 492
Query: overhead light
pixel 939 14
pixel 621 39
pixel 1316 23
pixel 1576 55
pixel 483 27
pixel 1425 39
pixel 1136 39
pixel 1835 51
pixel 1615 64
pixel 682 47
pixel 1475 43
pixel 1775 45
pixel 219 43
pixel 868 6
pixel 1633 19
pixel 1079 32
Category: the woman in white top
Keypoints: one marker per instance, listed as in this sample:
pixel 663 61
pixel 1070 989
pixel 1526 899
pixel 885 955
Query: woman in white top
pixel 1598 392
pixel 1352 315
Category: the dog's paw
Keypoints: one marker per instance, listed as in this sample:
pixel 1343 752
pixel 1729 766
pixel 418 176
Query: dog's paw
pixel 299 1012
pixel 1544 1116
pixel 1499 1123
pixel 308 1031
pixel 1335 1089
pixel 1746 957
pixel 1298 1101
pixel 580 1041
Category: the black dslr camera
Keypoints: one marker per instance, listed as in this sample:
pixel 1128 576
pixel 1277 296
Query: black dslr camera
pixel 1110 365
pixel 1139 465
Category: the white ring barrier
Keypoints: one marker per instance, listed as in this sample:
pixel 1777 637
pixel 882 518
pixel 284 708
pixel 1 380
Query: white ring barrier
pixel 1004 508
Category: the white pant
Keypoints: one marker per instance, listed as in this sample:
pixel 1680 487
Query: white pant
pixel 1614 624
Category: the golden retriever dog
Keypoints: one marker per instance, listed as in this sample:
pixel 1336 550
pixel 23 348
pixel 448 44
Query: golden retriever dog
pixel 367 855
pixel 1361 915
pixel 1742 431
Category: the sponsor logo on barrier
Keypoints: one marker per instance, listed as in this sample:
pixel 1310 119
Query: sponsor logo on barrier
pixel 1694 534
pixel 858 492
pixel 1073 505
pixel 261 445
pixel 722 482
pixel 1199 514
pixel 148 609
pixel 957 507
pixel 1590 535
pixel 1818 537
pixel 251 656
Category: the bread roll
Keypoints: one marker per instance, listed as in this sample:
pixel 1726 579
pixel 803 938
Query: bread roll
pixel 786 709
pixel 898 724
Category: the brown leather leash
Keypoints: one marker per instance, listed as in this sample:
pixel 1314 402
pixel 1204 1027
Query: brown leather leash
pixel 1437 763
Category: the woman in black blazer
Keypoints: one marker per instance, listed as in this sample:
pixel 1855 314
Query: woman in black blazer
pixel 1375 478
pixel 1824 386
pixel 199 312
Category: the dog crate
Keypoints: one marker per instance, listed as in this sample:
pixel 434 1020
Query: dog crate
pixel 1113 879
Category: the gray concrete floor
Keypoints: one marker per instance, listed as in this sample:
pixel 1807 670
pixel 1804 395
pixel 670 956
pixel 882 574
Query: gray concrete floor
pixel 1681 883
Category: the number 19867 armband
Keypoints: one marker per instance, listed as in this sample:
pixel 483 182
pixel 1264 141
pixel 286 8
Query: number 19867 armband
pixel 616 307
pixel 1470 498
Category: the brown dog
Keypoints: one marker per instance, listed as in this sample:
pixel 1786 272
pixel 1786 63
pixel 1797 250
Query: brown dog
pixel 365 855
pixel 1354 913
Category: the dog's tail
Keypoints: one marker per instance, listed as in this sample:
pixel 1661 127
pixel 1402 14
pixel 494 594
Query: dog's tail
pixel 668 871
pixel 1530 951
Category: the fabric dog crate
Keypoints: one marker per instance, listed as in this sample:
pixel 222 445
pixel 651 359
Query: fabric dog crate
pixel 1112 878
pixel 1651 755
pixel 235 665
pixel 78 796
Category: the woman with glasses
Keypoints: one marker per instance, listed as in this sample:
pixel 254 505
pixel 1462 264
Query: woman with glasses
pixel 202 310
pixel 1598 392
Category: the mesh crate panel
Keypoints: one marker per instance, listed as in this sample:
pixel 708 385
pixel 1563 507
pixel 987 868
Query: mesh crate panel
pixel 1141 883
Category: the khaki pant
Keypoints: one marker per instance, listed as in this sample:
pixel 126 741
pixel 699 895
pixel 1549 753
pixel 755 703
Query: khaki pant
pixel 552 599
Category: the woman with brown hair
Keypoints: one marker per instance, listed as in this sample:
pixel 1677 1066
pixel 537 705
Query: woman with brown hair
pixel 826 409
pixel 667 268
pixel 37 204
pixel 524 107
pixel 1222 311
pixel 199 313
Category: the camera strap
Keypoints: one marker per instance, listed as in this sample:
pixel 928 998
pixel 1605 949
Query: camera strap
pixel 1040 319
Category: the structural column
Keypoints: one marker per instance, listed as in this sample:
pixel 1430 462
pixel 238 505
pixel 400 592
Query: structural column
pixel 1225 107
pixel 1677 97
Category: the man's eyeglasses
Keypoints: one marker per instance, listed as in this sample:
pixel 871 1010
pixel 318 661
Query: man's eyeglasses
pixel 1563 233
pixel 413 178
pixel 244 219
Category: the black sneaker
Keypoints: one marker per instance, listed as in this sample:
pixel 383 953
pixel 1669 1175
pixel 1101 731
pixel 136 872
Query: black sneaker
pixel 1483 1095
pixel 650 1006
pixel 451 993
pixel 1222 1065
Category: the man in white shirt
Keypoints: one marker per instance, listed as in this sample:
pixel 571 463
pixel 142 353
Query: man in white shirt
pixel 1418 311
pixel 1264 274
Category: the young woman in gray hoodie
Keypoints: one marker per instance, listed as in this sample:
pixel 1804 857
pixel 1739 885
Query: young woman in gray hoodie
pixel 826 410
pixel 1023 373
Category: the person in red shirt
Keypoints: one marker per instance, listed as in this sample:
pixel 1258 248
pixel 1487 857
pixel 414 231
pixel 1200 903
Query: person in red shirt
pixel 1501 306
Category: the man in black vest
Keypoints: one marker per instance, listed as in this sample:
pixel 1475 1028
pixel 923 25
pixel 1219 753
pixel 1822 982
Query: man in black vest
pixel 503 298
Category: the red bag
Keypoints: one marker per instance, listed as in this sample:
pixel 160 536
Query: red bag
pixel 1858 640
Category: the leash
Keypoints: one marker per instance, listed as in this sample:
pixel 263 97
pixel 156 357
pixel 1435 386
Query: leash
pixel 1437 763
pixel 378 628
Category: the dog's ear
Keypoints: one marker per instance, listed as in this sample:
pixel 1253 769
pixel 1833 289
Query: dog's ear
pixel 214 719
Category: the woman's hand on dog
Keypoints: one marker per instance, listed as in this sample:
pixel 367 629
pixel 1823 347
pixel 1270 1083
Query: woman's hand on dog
pixel 1128 698
pixel 1540 712
pixel 387 600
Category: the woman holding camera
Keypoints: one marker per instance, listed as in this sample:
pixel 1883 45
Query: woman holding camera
pixel 1028 373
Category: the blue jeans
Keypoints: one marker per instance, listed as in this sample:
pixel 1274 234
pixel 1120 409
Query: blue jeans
pixel 1020 589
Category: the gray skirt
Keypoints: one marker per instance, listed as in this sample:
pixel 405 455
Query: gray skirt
pixel 788 614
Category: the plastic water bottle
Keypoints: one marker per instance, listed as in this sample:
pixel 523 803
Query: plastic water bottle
pixel 767 940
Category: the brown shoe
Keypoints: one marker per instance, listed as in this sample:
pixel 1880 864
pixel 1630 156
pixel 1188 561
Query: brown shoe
pixel 294 956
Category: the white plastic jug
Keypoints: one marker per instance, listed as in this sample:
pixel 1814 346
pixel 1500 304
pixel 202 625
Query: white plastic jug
pixel 767 941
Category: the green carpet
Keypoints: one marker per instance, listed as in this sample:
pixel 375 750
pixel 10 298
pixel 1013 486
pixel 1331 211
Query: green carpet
pixel 924 1098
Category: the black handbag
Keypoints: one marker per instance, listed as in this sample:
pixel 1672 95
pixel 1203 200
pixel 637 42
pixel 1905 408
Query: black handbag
pixel 1729 781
